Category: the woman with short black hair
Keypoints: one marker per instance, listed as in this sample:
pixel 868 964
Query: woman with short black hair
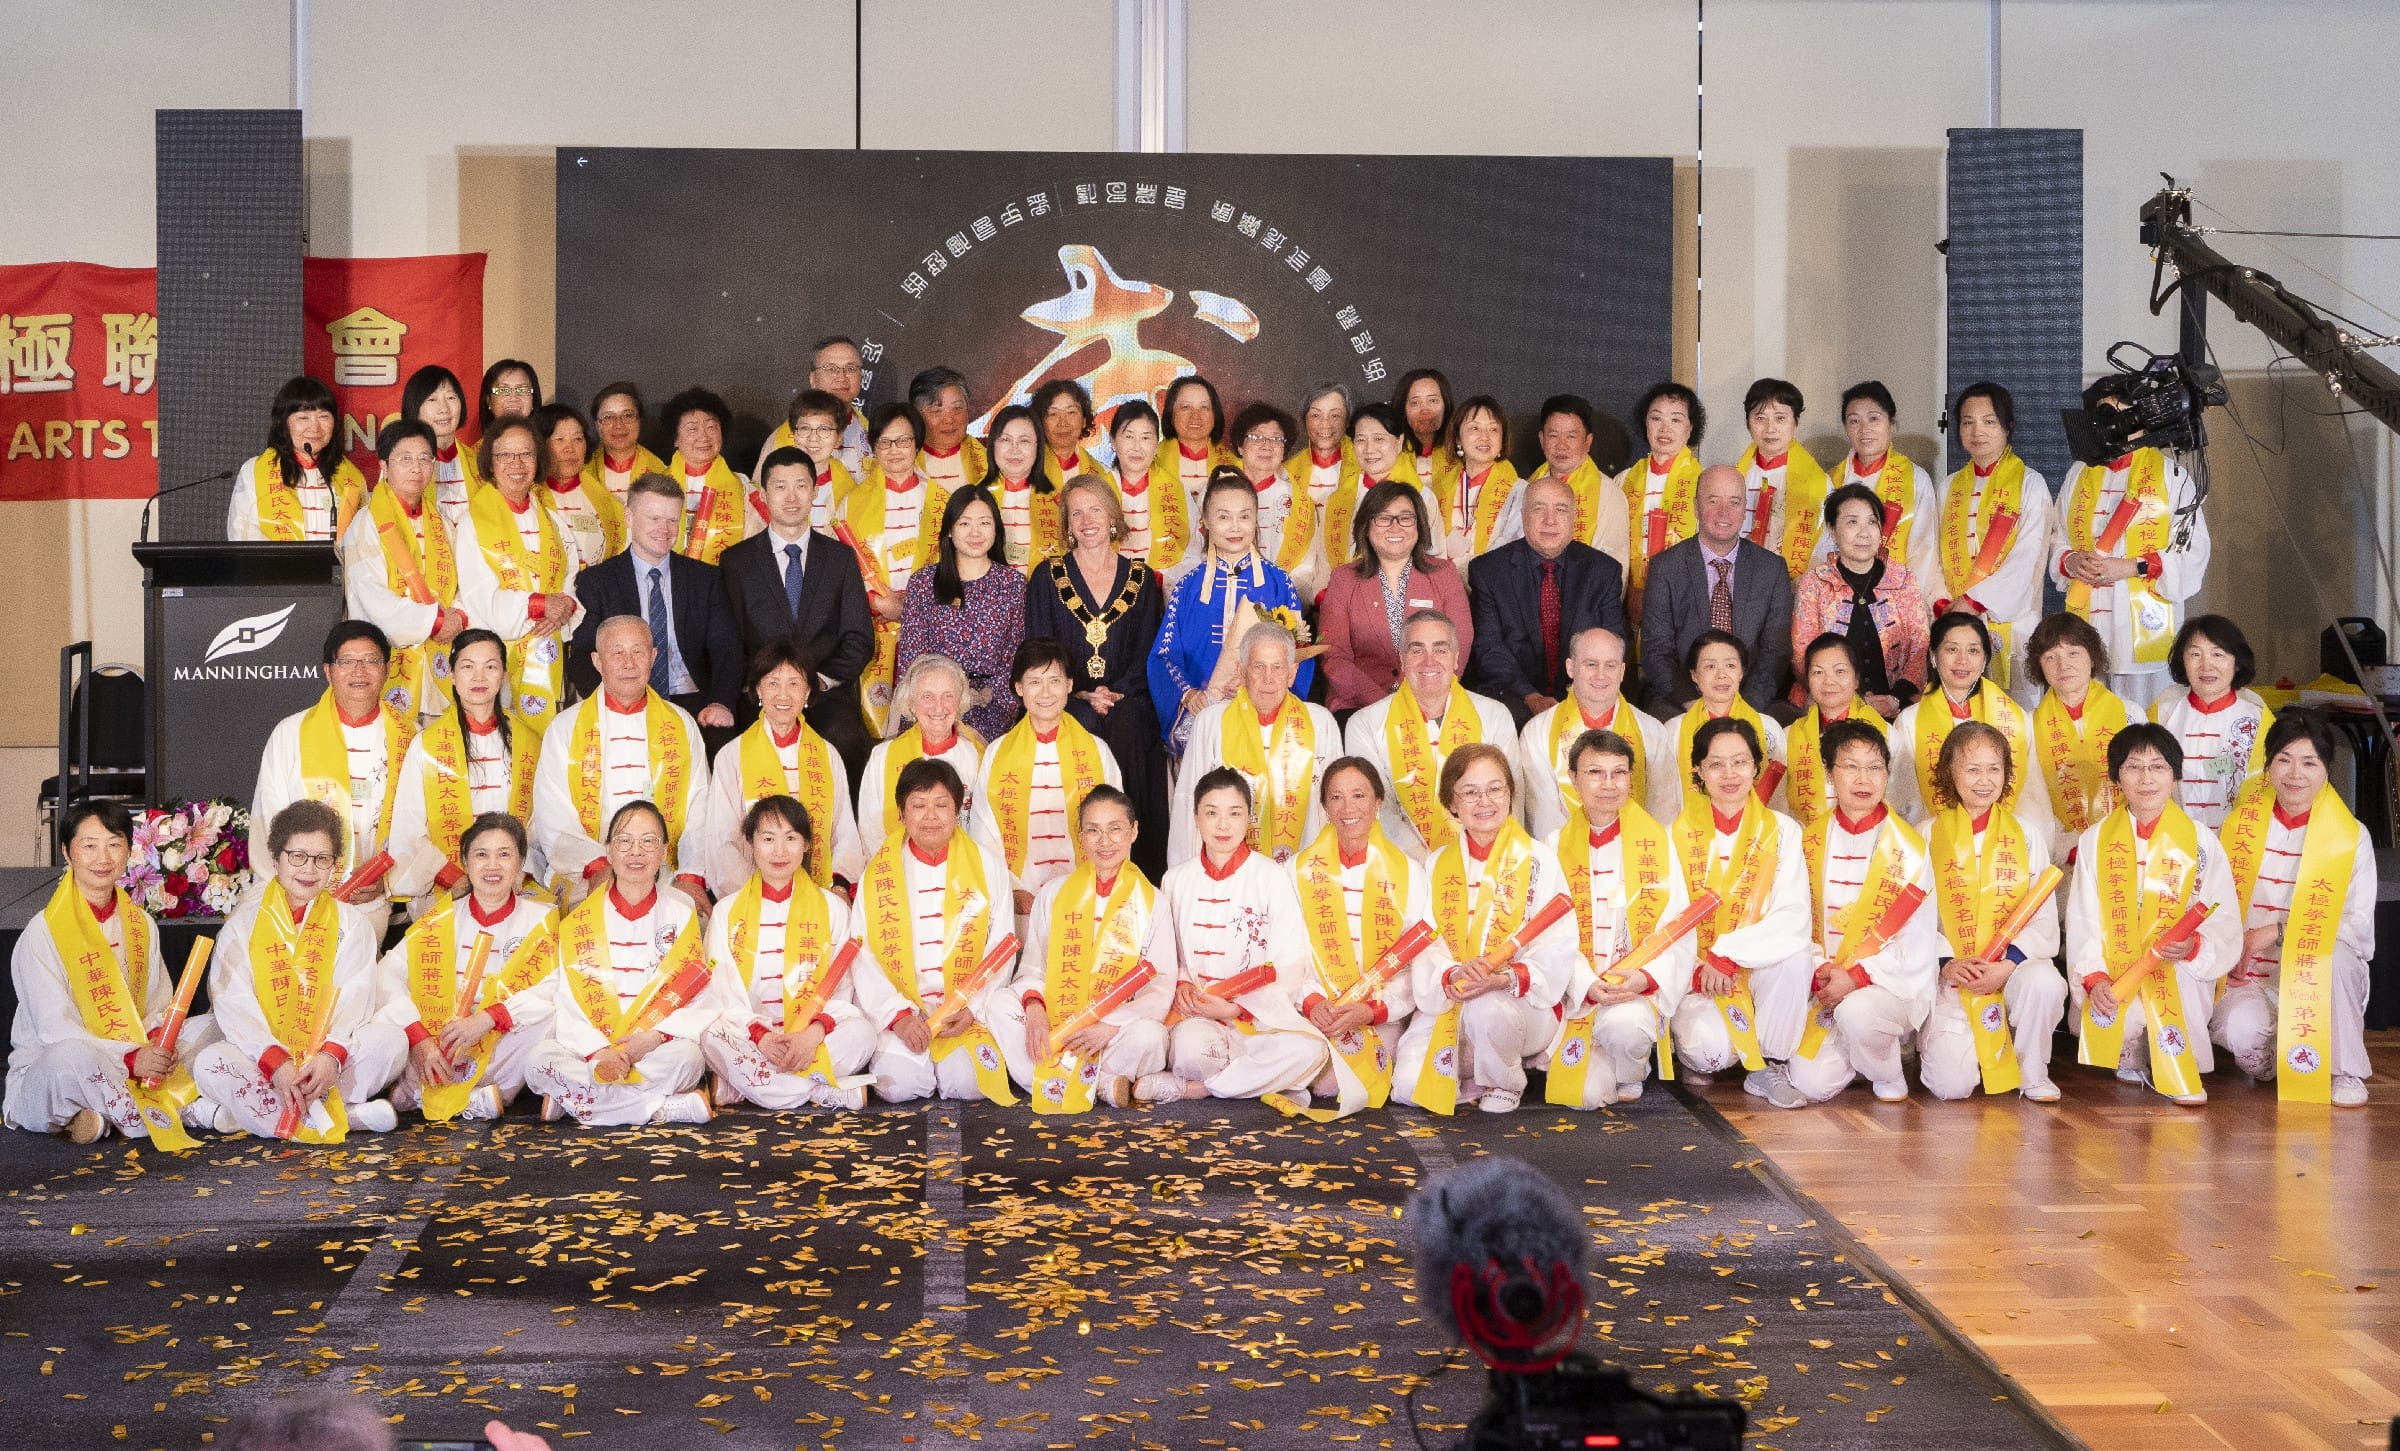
pixel 2220 722
pixel 288 493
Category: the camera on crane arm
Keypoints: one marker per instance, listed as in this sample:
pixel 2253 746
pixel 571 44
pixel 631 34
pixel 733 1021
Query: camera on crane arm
pixel 2157 402
pixel 1500 1259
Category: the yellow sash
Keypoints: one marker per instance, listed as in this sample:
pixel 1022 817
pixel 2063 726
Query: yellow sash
pixel 811 784
pixel 807 948
pixel 2149 529
pixel 1170 509
pixel 890 931
pixel 1318 874
pixel 1807 789
pixel 862 509
pixel 1436 478
pixel 1341 502
pixel 1589 484
pixel 536 662
pixel 1676 519
pixel 1646 855
pixel 2075 762
pixel 325 770
pixel 595 472
pixel 1471 922
pixel 1804 489
pixel 1974 544
pixel 591 975
pixel 434 978
pixel 1079 961
pixel 1896 486
pixel 2137 904
pixel 280 516
pixel 449 803
pixel 1889 868
pixel 427 575
pixel 1282 772
pixel 670 767
pixel 110 993
pixel 1417 764
pixel 901 749
pixel 1499 482
pixel 1688 725
pixel 603 504
pixel 291 967
pixel 1011 793
pixel 1975 891
pixel 1567 724
pixel 724 499
pixel 2304 1004
pixel 1742 885
pixel 1299 537
pixel 1990 705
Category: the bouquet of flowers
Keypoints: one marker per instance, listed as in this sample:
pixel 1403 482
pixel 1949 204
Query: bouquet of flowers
pixel 190 860
pixel 1291 620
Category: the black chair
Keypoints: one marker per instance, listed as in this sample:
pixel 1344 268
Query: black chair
pixel 103 723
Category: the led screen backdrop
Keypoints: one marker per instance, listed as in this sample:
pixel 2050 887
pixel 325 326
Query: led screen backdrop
pixel 1519 276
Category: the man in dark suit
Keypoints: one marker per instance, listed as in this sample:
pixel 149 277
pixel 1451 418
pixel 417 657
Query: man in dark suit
pixel 825 619
pixel 699 665
pixel 1717 579
pixel 1531 596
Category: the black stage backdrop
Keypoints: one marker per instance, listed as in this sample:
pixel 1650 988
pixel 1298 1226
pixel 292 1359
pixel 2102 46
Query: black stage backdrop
pixel 1518 276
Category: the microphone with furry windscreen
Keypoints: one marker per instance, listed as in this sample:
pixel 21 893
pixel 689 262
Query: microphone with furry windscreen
pixel 1500 1260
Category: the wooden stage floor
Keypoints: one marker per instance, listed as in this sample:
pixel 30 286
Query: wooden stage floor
pixel 2156 1277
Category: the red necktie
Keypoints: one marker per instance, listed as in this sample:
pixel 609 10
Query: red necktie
pixel 1550 618
pixel 1720 597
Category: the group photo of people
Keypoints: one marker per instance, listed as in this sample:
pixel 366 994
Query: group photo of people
pixel 1296 748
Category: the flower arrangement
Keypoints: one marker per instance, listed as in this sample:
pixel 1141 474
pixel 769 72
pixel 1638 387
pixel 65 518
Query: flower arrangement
pixel 1291 620
pixel 190 860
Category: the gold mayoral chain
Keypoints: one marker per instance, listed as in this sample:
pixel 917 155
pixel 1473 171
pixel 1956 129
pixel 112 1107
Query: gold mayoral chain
pixel 1096 627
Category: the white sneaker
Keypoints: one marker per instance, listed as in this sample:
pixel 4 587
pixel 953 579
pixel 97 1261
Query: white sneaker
pixel 1158 1088
pixel 684 1108
pixel 1893 1090
pixel 722 1092
pixel 482 1105
pixel 2195 1099
pixel 2349 1091
pixel 375 1116
pixel 2038 1090
pixel 1758 1080
pixel 2133 1061
pixel 853 1098
pixel 1630 1092
pixel 1500 1100
pixel 1779 1092
pixel 1116 1090
pixel 1693 1079
pixel 551 1112
pixel 86 1127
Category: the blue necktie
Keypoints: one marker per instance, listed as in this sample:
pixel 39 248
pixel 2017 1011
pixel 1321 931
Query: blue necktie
pixel 791 578
pixel 659 637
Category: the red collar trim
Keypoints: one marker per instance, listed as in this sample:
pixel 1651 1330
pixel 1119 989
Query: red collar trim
pixel 609 702
pixel 616 465
pixel 1861 827
pixel 1769 465
pixel 1983 820
pixel 1825 720
pixel 1233 863
pixel 446 455
pixel 1982 472
pixel 698 473
pixel 1589 723
pixel 2075 712
pixel 1348 860
pixel 769 892
pixel 1324 460
pixel 2288 821
pixel 1480 853
pixel 516 506
pixel 903 486
pixel 931 861
pixel 1606 834
pixel 1045 737
pixel 300 910
pixel 484 728
pixel 1267 717
pixel 2211 707
pixel 1194 454
pixel 1065 463
pixel 631 910
pixel 1662 467
pixel 931 747
pixel 951 452
pixel 2143 831
pixel 2120 462
pixel 572 483
pixel 1728 825
pixel 370 718
pixel 1959 709
pixel 1475 481
pixel 1860 468
pixel 475 907
pixel 108 906
pixel 780 739
pixel 413 511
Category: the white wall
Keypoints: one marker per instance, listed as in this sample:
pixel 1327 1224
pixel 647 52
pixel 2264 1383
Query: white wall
pixel 430 123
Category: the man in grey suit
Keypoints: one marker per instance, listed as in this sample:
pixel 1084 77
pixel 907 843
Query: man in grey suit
pixel 1717 579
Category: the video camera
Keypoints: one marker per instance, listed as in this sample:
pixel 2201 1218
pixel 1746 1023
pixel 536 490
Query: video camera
pixel 2156 403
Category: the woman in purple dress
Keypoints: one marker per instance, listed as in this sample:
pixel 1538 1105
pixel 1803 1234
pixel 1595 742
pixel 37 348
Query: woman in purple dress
pixel 970 607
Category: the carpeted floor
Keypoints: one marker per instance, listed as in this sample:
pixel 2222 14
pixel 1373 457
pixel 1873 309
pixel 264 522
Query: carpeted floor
pixel 1208 1275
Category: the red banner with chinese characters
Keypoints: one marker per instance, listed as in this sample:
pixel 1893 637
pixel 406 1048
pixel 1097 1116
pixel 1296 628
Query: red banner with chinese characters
pixel 78 361
pixel 372 321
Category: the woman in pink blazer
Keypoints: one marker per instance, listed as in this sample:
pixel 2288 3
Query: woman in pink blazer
pixel 1391 577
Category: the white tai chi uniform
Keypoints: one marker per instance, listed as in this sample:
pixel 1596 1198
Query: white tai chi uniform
pixel 901 1073
pixel 1206 752
pixel 1904 795
pixel 1364 736
pixel 639 936
pixel 370 593
pixel 522 1018
pixel 562 847
pixel 2034 997
pixel 236 1072
pixel 1501 1033
pixel 1626 1035
pixel 1775 948
pixel 56 1068
pixel 2182 565
pixel 1048 850
pixel 1895 983
pixel 1546 810
pixel 2218 945
pixel 751 1004
pixel 1141 1022
pixel 1398 1000
pixel 2245 1017
pixel 2013 596
pixel 2218 740
pixel 421 865
pixel 1211 925
pixel 878 813
pixel 317 508
pixel 280 784
pixel 722 853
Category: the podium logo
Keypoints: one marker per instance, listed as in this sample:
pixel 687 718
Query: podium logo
pixel 255 632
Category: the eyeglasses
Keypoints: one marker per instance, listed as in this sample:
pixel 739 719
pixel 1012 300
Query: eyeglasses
pixel 300 860
pixel 639 843
pixel 1497 791
pixel 1395 519
pixel 816 430
pixel 511 390
pixel 514 455
pixel 619 415
pixel 349 663
pixel 1268 439
pixel 840 370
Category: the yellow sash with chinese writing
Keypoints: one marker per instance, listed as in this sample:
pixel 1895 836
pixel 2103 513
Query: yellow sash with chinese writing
pixel 2138 903
pixel 717 520
pixel 434 978
pixel 426 571
pixel 291 969
pixel 1170 509
pixel 1417 764
pixel 670 766
pixel 903 748
pixel 1804 488
pixel 863 509
pixel 536 661
pixel 1889 869
pixel 1646 855
pixel 1299 534
pixel 1318 875
pixel 811 784
pixel 280 516
pixel 1742 884
pixel 2143 524
pixel 1990 705
pixel 1340 504
pixel 1807 790
pixel 807 946
pixel 449 799
pixel 595 475
pixel 110 994
pixel 1499 481
pixel 2304 1004
pixel 891 934
pixel 1976 537
pixel 1282 771
pixel 1010 798
pixel 2075 762
pixel 325 770
pixel 591 974
pixel 1081 960
pixel 1470 922
pixel 1652 532
pixel 1567 725
pixel 1896 485
pixel 1688 725
pixel 600 501
pixel 1976 890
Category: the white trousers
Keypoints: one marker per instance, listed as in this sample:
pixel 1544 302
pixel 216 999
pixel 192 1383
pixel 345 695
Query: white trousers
pixel 903 1075
pixel 511 1057
pixel 1624 1038
pixel 2245 1021
pixel 742 1067
pixel 1140 1046
pixel 1869 1025
pixel 231 1080
pixel 62 1080
pixel 2035 1000
pixel 1233 1064
pixel 670 1068
pixel 1778 993
pixel 1497 1036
